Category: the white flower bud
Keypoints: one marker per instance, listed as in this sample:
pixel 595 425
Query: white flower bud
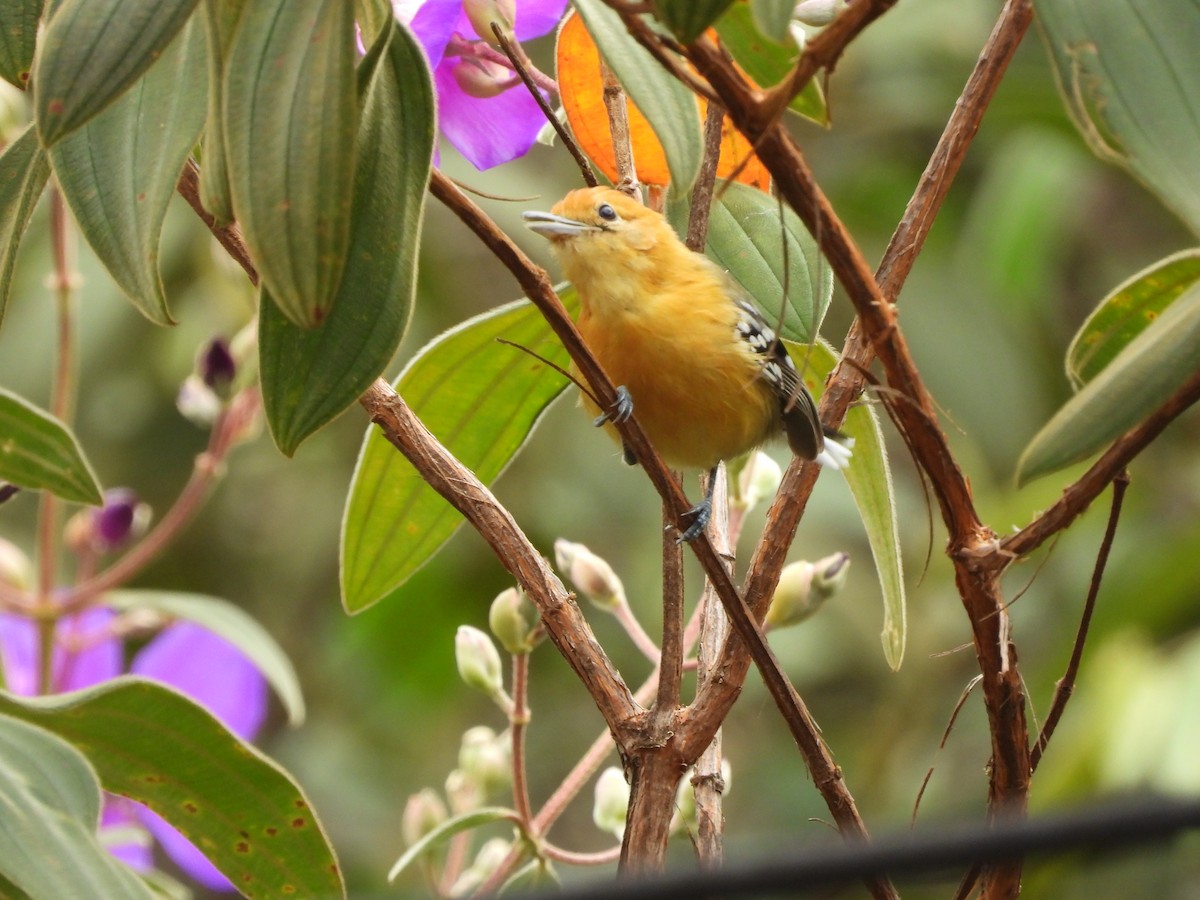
pixel 818 12
pixel 612 802
pixel 759 478
pixel 479 661
pixel 16 569
pixel 804 586
pixel 515 622
pixel 487 860
pixel 592 576
pixel 486 758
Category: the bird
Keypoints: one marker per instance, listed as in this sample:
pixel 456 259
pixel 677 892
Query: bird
pixel 685 345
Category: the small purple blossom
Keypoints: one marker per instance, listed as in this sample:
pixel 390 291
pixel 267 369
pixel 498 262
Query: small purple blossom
pixel 113 523
pixel 186 656
pixel 486 130
pixel 216 366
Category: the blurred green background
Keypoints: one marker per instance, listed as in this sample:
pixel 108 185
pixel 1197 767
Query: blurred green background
pixel 1034 234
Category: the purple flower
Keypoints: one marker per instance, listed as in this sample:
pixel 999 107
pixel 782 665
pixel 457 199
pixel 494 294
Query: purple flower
pixel 113 523
pixel 191 659
pixel 487 130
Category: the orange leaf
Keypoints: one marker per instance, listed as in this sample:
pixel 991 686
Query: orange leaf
pixel 582 94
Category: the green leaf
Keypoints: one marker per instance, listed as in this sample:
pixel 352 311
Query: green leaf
pixel 772 17
pixel 50 807
pixel 92 51
pixel 870 478
pixel 18 38
pixel 1127 312
pixel 746 237
pixel 119 171
pixel 23 174
pixel 220 22
pixel 1138 379
pixel 481 399
pixel 768 62
pixel 311 375
pixel 154 745
pixel 38 452
pixel 668 106
pixel 291 116
pixel 447 830
pixel 688 18
pixel 1128 72
pixel 232 623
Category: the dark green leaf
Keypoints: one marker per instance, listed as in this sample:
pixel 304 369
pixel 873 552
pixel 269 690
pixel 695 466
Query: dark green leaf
pixel 50 809
pixel 767 62
pixel 772 17
pixel 156 746
pixel 220 22
pixel 745 236
pixel 23 174
pixel 119 171
pixel 233 624
pixel 92 51
pixel 38 452
pixel 1127 312
pixel 687 19
pixel 447 830
pixel 311 375
pixel 1128 72
pixel 1141 377
pixel 481 399
pixel 668 106
pixel 18 37
pixel 291 116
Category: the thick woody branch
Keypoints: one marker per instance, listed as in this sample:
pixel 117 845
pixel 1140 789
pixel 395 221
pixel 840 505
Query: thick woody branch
pixel 565 623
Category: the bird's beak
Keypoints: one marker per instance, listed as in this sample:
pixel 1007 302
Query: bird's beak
pixel 550 226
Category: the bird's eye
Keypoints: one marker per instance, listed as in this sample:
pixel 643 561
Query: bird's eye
pixel 606 212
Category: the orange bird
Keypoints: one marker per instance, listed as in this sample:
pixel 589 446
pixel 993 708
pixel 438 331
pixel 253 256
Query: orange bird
pixel 709 379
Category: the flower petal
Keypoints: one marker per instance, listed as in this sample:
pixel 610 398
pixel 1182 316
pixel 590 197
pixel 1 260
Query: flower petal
pixel 183 852
pixel 211 671
pixel 119 812
pixel 97 659
pixel 432 24
pixel 488 131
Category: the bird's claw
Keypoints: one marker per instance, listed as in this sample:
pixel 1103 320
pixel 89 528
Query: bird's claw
pixel 699 514
pixel 622 409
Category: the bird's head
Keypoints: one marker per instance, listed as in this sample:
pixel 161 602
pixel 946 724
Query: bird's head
pixel 601 222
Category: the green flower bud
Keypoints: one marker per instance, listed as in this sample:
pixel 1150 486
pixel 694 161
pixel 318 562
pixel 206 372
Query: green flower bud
pixel 486 758
pixel 423 812
pixel 479 662
pixel 515 622
pixel 482 13
pixel 612 802
pixel 804 586
pixel 592 576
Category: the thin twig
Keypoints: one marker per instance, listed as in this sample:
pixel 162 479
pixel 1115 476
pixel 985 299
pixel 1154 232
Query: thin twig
pixel 518 63
pixel 1066 685
pixel 618 128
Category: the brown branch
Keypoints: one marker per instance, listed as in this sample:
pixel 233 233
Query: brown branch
pixel 1077 497
pixel 618 129
pixel 228 236
pixel 702 191
pixel 691 738
pixel 565 623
